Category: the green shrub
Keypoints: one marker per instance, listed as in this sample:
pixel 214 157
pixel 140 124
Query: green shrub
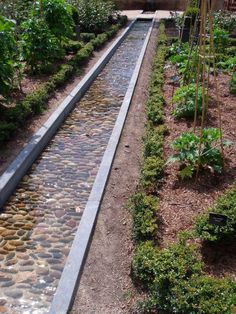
pixel 58 16
pixel 40 46
pixel 152 172
pixel 192 155
pixel 94 15
pixel 144 263
pixel 226 205
pixel 199 294
pixel 7 54
pixel 232 84
pixel 60 77
pixel 86 37
pixel 83 54
pixel 73 46
pixel 153 143
pixel 144 209
pixel 6 130
pixel 221 39
pixel 99 40
pixel 154 109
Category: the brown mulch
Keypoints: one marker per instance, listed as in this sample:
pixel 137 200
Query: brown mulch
pixel 182 201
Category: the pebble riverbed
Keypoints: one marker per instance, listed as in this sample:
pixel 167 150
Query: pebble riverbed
pixel 38 223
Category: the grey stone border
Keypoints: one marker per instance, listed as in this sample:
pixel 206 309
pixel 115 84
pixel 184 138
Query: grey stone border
pixel 72 272
pixel 18 168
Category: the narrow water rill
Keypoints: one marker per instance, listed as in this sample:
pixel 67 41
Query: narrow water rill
pixel 38 224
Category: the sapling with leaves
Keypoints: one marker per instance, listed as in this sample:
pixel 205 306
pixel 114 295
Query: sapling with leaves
pixel 198 152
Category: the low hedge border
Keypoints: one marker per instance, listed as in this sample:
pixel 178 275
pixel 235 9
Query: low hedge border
pixel 173 278
pixel 144 204
pixel 35 102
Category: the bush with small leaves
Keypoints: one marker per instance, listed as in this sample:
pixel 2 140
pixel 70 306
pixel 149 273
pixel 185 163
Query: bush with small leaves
pixel 144 212
pixel 225 205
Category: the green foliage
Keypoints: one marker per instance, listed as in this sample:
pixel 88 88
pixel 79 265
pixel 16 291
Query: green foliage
pixel 221 40
pixel 86 37
pixel 225 20
pixel 7 54
pixel 40 46
pixel 225 205
pixel 99 40
pixel 191 154
pixel 17 10
pixel 232 84
pixel 153 143
pixel 185 98
pixel 58 16
pixel 94 15
pixel 6 129
pixel 144 263
pixel 143 209
pixel 228 64
pixel 152 172
pixel 177 284
pixel 84 53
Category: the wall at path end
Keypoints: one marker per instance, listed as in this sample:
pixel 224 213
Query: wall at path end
pixel 159 4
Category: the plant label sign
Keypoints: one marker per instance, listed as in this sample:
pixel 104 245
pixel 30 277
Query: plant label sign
pixel 218 219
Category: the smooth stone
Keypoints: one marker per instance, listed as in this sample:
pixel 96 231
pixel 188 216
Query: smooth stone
pixel 55 274
pixel 8 233
pixel 26 263
pixel 4 278
pixel 26 268
pixel 57 267
pixel 42 271
pixel 53 261
pixel 48 279
pixel 15 294
pixel 11 262
pixel 16 242
pixel 3 302
pixel 7 284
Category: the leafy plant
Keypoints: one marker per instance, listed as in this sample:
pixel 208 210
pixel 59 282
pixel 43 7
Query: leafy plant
pixel 94 15
pixel 225 205
pixel 195 151
pixel 58 16
pixel 185 99
pixel 7 55
pixel 143 209
pixel 221 40
pixel 225 20
pixel 40 47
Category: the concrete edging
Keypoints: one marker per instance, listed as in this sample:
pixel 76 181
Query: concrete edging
pixel 18 168
pixel 72 272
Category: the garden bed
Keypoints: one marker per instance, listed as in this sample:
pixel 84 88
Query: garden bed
pixel 183 263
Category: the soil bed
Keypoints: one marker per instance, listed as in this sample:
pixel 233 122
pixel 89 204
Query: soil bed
pixel 182 201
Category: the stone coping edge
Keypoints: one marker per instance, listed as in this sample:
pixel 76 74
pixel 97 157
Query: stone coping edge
pixel 18 168
pixel 71 275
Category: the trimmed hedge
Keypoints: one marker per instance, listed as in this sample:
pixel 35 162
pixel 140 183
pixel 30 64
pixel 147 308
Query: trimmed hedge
pixel 226 205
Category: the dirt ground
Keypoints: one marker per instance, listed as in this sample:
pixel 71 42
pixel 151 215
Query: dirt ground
pixel 106 286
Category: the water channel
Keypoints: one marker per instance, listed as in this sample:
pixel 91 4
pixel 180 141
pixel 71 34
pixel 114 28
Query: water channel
pixel 38 224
